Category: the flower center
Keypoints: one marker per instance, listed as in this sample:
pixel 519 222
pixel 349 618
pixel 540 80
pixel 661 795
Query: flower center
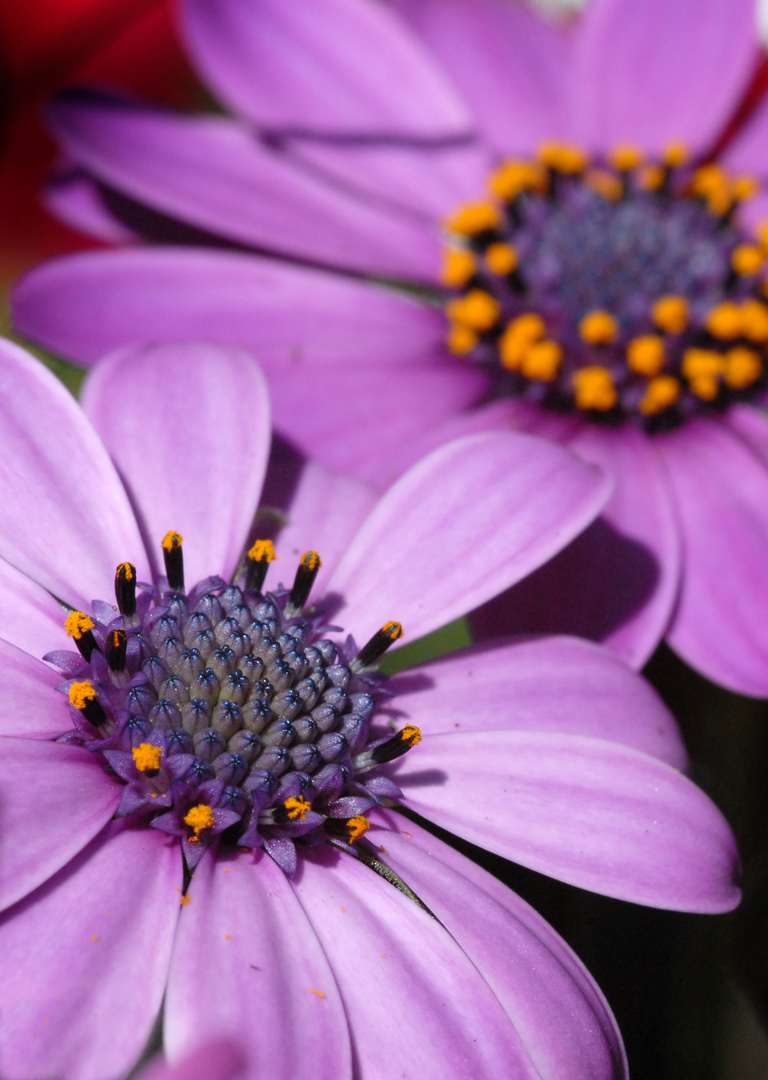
pixel 622 288
pixel 227 709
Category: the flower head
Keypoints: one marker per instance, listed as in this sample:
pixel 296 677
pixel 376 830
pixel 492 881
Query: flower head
pixel 597 267
pixel 209 794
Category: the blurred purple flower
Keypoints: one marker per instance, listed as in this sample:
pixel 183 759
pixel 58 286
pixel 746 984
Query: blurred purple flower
pixel 360 127
pixel 547 751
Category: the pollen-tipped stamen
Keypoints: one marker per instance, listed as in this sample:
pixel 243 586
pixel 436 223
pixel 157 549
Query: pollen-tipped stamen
pixel 302 585
pixel 84 698
pixel 116 647
pixel 80 628
pixel 125 589
pixel 173 556
pixel 400 743
pixel 374 649
pixel 257 563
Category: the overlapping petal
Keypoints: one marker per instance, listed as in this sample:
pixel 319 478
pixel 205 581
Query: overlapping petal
pixel 66 519
pixel 47 823
pixel 409 560
pixel 587 811
pixel 87 959
pixel 29 616
pixel 30 706
pixel 341 67
pixel 411 994
pixel 244 931
pixel 217 175
pixel 557 684
pixel 549 996
pixel 87 305
pixel 150 405
pixel 720 488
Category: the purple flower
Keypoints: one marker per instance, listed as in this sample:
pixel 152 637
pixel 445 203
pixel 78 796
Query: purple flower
pixel 206 724
pixel 362 129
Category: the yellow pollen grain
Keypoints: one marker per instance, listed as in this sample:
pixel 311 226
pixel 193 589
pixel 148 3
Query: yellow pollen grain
pixel 94 938
pixel 185 900
pixel 744 187
pixel 754 316
pixel 675 153
pixel 593 388
pixel 146 757
pixel 296 808
pixel 660 393
pixel 319 993
pixel 747 260
pixel 199 817
pixel 126 570
pixel 172 540
pixel 459 266
pixel 501 259
pixel 707 180
pixel 410 734
pixel 517 339
pixel 645 355
pixel 262 551
pixel 393 630
pixel 478 310
pixel 626 156
pixel 471 219
pixel 605 183
pixel 356 827
pixel 311 560
pixel 743 367
pixel 719 203
pixel 542 360
pixel 702 368
pixel 598 328
pixel 724 320
pixel 77 624
pixel 670 313
pixel 651 177
pixel 513 177
pixel 563 157
pixel 80 693
pixel 461 340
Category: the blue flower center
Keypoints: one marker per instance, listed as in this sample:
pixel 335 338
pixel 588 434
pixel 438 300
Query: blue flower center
pixel 620 289
pixel 225 709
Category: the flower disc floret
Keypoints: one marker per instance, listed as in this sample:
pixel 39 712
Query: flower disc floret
pixel 630 267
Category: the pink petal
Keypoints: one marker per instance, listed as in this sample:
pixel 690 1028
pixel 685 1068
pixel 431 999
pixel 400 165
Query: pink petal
pixel 512 66
pixel 217 175
pixel 555 1005
pixel 30 706
pixel 323 510
pixel 587 811
pixel 473 517
pixel 617 583
pixel 356 417
pixel 408 990
pixel 90 948
pixel 54 800
pixel 662 70
pixel 557 684
pixel 85 305
pixel 197 463
pixel 337 66
pixel 721 488
pixel 66 519
pixel 29 616
pixel 247 962
pixel 218 1059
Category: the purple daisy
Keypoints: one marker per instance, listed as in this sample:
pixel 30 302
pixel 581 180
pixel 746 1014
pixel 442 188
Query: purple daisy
pixel 222 763
pixel 588 270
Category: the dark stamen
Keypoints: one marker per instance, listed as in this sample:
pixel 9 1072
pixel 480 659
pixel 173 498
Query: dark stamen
pixel 83 696
pixel 125 589
pixel 399 744
pixel 174 561
pixel 303 582
pixel 377 646
pixel 79 627
pixel 257 563
pixel 116 646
